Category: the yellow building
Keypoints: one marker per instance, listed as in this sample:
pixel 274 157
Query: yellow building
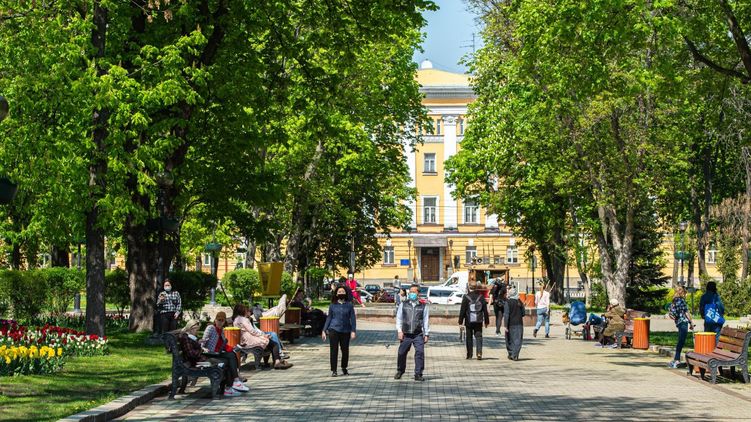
pixel 446 233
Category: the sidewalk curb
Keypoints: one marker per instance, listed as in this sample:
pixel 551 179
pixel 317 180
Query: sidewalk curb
pixel 121 405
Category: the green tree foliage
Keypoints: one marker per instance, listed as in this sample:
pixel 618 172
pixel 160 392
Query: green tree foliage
pixel 284 118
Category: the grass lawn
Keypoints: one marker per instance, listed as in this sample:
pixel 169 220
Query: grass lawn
pixel 85 382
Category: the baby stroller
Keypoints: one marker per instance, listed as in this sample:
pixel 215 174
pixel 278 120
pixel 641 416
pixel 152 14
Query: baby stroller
pixel 575 320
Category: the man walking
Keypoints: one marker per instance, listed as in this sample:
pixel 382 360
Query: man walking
pixel 499 293
pixel 542 300
pixel 413 327
pixel 472 314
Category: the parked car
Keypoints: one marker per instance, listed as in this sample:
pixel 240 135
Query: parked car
pixel 372 288
pixel 443 296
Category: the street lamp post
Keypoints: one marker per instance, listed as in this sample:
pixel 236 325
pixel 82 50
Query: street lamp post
pixel 451 255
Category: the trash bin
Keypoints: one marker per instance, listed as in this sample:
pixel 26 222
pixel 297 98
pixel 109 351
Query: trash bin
pixel 641 333
pixel 269 324
pixel 233 338
pixel 704 343
pixel 293 316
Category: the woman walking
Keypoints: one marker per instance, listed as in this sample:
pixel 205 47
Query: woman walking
pixel 679 313
pixel 340 327
pixel 513 319
pixel 712 310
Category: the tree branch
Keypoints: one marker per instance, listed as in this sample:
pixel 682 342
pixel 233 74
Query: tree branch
pixel 740 39
pixel 712 65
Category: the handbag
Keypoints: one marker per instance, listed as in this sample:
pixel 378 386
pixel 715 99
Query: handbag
pixel 712 314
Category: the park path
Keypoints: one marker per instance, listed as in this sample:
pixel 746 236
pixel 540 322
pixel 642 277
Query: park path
pixel 555 379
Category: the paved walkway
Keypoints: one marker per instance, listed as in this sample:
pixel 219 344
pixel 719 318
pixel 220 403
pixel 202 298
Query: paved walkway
pixel 555 379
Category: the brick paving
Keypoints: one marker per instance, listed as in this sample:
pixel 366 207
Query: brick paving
pixel 555 379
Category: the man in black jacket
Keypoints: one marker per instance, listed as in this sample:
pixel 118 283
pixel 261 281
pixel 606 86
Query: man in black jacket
pixel 473 313
pixel 499 296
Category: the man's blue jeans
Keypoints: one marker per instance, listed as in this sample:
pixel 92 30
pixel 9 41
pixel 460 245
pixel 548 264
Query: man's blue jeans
pixel 543 314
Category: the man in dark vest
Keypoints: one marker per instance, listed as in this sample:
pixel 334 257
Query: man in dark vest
pixel 413 327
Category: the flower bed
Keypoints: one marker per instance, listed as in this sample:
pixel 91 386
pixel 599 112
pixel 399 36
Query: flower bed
pixel 43 349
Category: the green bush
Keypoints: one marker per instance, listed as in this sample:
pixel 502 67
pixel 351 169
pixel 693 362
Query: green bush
pixel 24 292
pixel 194 288
pixel 62 284
pixel 241 285
pixel 735 296
pixel 117 289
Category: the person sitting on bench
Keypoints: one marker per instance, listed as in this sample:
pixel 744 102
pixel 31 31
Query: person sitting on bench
pixel 276 311
pixel 251 337
pixel 216 345
pixel 616 324
pixel 193 353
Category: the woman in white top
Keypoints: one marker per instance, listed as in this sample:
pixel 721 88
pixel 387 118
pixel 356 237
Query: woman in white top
pixel 542 300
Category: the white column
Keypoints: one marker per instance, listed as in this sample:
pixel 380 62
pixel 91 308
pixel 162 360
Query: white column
pixel 450 211
pixel 409 152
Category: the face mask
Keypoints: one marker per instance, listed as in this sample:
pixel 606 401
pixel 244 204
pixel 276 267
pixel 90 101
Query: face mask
pixel 168 289
pixel 192 337
pixel 342 296
pixel 413 296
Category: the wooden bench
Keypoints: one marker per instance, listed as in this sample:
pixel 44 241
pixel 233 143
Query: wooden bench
pixel 181 369
pixel 287 331
pixel 628 333
pixel 732 351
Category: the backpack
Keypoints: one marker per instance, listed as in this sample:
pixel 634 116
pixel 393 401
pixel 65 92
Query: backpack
pixel 475 310
pixel 712 313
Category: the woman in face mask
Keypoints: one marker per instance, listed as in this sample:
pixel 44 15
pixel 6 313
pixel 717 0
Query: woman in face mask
pixel 340 327
pixel 169 307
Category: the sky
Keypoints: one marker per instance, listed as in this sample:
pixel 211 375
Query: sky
pixel 449 36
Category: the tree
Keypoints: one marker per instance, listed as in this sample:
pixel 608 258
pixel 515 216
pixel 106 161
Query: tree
pixel 576 98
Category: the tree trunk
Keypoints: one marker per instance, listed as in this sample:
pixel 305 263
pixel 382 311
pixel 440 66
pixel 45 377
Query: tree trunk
pixel 16 257
pixel 141 266
pixel 746 217
pixel 95 263
pixel 60 256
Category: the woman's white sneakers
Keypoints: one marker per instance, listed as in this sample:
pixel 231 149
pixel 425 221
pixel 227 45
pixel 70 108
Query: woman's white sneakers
pixel 239 386
pixel 231 392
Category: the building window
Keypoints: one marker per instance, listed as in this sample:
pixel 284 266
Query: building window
pixel 206 259
pixel 429 164
pixel 470 254
pixel 430 210
pixel 712 254
pixel 471 211
pixel 512 255
pixel 461 126
pixel 388 255
pixel 438 126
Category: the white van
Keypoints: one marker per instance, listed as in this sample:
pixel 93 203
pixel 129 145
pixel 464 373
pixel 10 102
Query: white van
pixel 452 291
pixel 443 296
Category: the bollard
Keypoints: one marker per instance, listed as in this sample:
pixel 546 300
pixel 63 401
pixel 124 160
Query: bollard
pixel 213 296
pixel 77 303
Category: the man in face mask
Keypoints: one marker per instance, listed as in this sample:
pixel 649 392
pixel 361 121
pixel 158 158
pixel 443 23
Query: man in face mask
pixel 413 327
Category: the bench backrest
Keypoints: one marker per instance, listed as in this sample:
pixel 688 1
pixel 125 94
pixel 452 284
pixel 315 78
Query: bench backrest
pixel 630 315
pixel 735 341
pixel 170 343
